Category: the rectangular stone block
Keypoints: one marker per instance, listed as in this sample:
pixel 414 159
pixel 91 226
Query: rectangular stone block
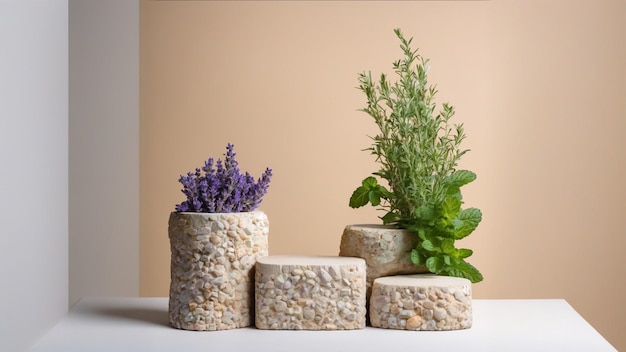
pixel 310 293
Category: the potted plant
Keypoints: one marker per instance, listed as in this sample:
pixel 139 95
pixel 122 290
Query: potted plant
pixel 216 235
pixel 418 150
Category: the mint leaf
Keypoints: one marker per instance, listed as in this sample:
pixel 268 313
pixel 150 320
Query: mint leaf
pixel 369 192
pixel 465 270
pixel 470 218
pixel 451 206
pixel 417 258
pixel 369 182
pixel 456 180
pixel 447 246
pixel 390 217
pixel 421 233
pixel 384 193
pixel 425 213
pixel 374 198
pixel 464 252
pixel 429 246
pixel 434 265
pixel 359 197
pixel 460 178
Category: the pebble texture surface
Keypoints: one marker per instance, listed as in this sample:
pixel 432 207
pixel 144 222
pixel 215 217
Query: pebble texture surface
pixel 310 293
pixel 421 302
pixel 212 268
pixel 385 249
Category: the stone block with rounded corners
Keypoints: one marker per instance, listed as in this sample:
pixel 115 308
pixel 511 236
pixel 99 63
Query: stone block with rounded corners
pixel 385 249
pixel 310 293
pixel 421 302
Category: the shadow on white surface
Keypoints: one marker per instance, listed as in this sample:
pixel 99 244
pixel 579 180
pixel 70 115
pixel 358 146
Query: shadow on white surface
pixel 147 315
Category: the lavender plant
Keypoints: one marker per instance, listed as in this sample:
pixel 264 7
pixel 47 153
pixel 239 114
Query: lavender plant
pixel 220 187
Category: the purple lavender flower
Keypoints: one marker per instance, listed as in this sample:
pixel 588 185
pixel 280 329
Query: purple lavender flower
pixel 219 187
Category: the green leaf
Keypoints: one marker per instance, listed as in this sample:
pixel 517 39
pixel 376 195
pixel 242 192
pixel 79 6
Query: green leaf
pixel 451 207
pixel 457 223
pixel 447 260
pixel 454 191
pixel 429 246
pixel 447 246
pixel 460 178
pixel 374 198
pixel 471 214
pixel 465 270
pixel 425 213
pixel 390 218
pixel 470 218
pixel 444 227
pixel 434 265
pixel 359 197
pixel 369 182
pixel 369 191
pixel 421 233
pixel 384 193
pixel 464 252
pixel 417 258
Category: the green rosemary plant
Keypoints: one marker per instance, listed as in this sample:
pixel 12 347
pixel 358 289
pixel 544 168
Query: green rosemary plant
pixel 418 151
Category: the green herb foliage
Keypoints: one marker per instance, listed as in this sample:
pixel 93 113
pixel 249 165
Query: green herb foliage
pixel 418 151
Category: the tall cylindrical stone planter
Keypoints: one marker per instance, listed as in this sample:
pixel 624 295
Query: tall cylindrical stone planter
pixel 212 262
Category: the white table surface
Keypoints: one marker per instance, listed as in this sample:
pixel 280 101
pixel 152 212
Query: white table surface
pixel 140 324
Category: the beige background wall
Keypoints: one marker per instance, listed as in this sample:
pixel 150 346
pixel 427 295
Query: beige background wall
pixel 538 85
